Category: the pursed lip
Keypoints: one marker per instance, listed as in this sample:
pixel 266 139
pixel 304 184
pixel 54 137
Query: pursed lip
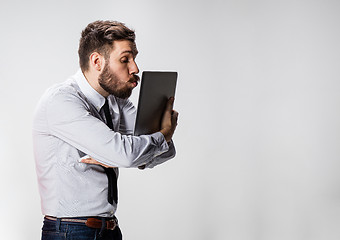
pixel 134 80
pixel 134 83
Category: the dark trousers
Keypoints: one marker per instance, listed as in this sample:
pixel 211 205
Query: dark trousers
pixel 62 230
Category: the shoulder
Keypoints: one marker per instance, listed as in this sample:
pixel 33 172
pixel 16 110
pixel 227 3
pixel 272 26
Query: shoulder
pixel 61 96
pixel 52 102
pixel 62 91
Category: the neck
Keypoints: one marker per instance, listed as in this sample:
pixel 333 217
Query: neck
pixel 92 79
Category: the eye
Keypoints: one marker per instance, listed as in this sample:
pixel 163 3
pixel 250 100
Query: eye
pixel 124 60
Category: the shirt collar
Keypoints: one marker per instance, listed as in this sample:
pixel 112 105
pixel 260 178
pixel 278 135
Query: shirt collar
pixel 90 93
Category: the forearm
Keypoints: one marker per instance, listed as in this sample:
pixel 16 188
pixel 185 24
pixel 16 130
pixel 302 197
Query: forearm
pixel 162 158
pixel 116 150
pixel 93 137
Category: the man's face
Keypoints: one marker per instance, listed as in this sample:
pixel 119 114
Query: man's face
pixel 119 74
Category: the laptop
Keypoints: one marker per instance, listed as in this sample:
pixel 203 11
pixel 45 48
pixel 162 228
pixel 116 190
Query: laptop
pixel 156 88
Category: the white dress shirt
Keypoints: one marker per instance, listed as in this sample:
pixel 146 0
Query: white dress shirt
pixel 69 125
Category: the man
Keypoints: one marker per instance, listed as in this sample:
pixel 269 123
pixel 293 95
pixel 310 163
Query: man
pixel 82 134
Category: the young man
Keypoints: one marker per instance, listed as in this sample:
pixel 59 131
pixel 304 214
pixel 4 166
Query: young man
pixel 82 134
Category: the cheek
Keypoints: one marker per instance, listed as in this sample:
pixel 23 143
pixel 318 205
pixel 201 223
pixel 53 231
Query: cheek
pixel 122 72
pixel 118 68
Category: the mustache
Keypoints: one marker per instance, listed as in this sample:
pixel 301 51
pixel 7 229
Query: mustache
pixel 134 78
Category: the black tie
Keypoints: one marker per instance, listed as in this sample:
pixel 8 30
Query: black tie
pixel 111 175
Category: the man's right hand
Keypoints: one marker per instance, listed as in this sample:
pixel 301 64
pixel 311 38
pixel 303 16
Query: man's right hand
pixel 169 121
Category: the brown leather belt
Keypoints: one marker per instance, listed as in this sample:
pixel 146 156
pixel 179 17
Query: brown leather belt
pixel 110 224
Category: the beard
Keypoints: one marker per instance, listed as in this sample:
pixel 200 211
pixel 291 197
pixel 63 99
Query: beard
pixel 110 82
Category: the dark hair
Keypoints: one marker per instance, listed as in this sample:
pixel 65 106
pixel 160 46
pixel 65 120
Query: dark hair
pixel 98 37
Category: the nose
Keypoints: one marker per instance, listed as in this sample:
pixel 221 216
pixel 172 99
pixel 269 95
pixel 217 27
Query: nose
pixel 134 68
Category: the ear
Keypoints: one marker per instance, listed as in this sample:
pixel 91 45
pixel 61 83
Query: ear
pixel 97 61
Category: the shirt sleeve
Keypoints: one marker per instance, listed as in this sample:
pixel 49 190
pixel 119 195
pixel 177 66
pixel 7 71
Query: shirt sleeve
pixel 69 119
pixel 163 157
pixel 127 124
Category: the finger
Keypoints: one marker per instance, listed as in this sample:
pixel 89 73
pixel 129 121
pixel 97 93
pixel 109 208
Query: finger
pixel 88 160
pixel 92 161
pixel 85 160
pixel 170 104
pixel 174 116
pixel 106 166
pixel 175 113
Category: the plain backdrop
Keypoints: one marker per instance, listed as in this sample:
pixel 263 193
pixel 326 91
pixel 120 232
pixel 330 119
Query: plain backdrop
pixel 258 154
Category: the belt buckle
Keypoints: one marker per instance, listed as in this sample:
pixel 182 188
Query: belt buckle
pixel 111 224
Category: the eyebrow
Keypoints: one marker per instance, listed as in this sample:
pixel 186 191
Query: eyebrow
pixel 134 53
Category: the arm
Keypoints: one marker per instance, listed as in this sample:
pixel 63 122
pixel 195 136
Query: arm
pixel 162 158
pixel 154 162
pixel 70 120
pixel 168 125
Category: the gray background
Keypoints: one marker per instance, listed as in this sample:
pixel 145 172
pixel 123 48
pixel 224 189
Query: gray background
pixel 258 95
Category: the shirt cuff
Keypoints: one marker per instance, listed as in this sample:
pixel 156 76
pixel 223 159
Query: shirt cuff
pixel 163 146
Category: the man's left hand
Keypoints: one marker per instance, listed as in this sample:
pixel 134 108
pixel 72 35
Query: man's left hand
pixel 93 161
